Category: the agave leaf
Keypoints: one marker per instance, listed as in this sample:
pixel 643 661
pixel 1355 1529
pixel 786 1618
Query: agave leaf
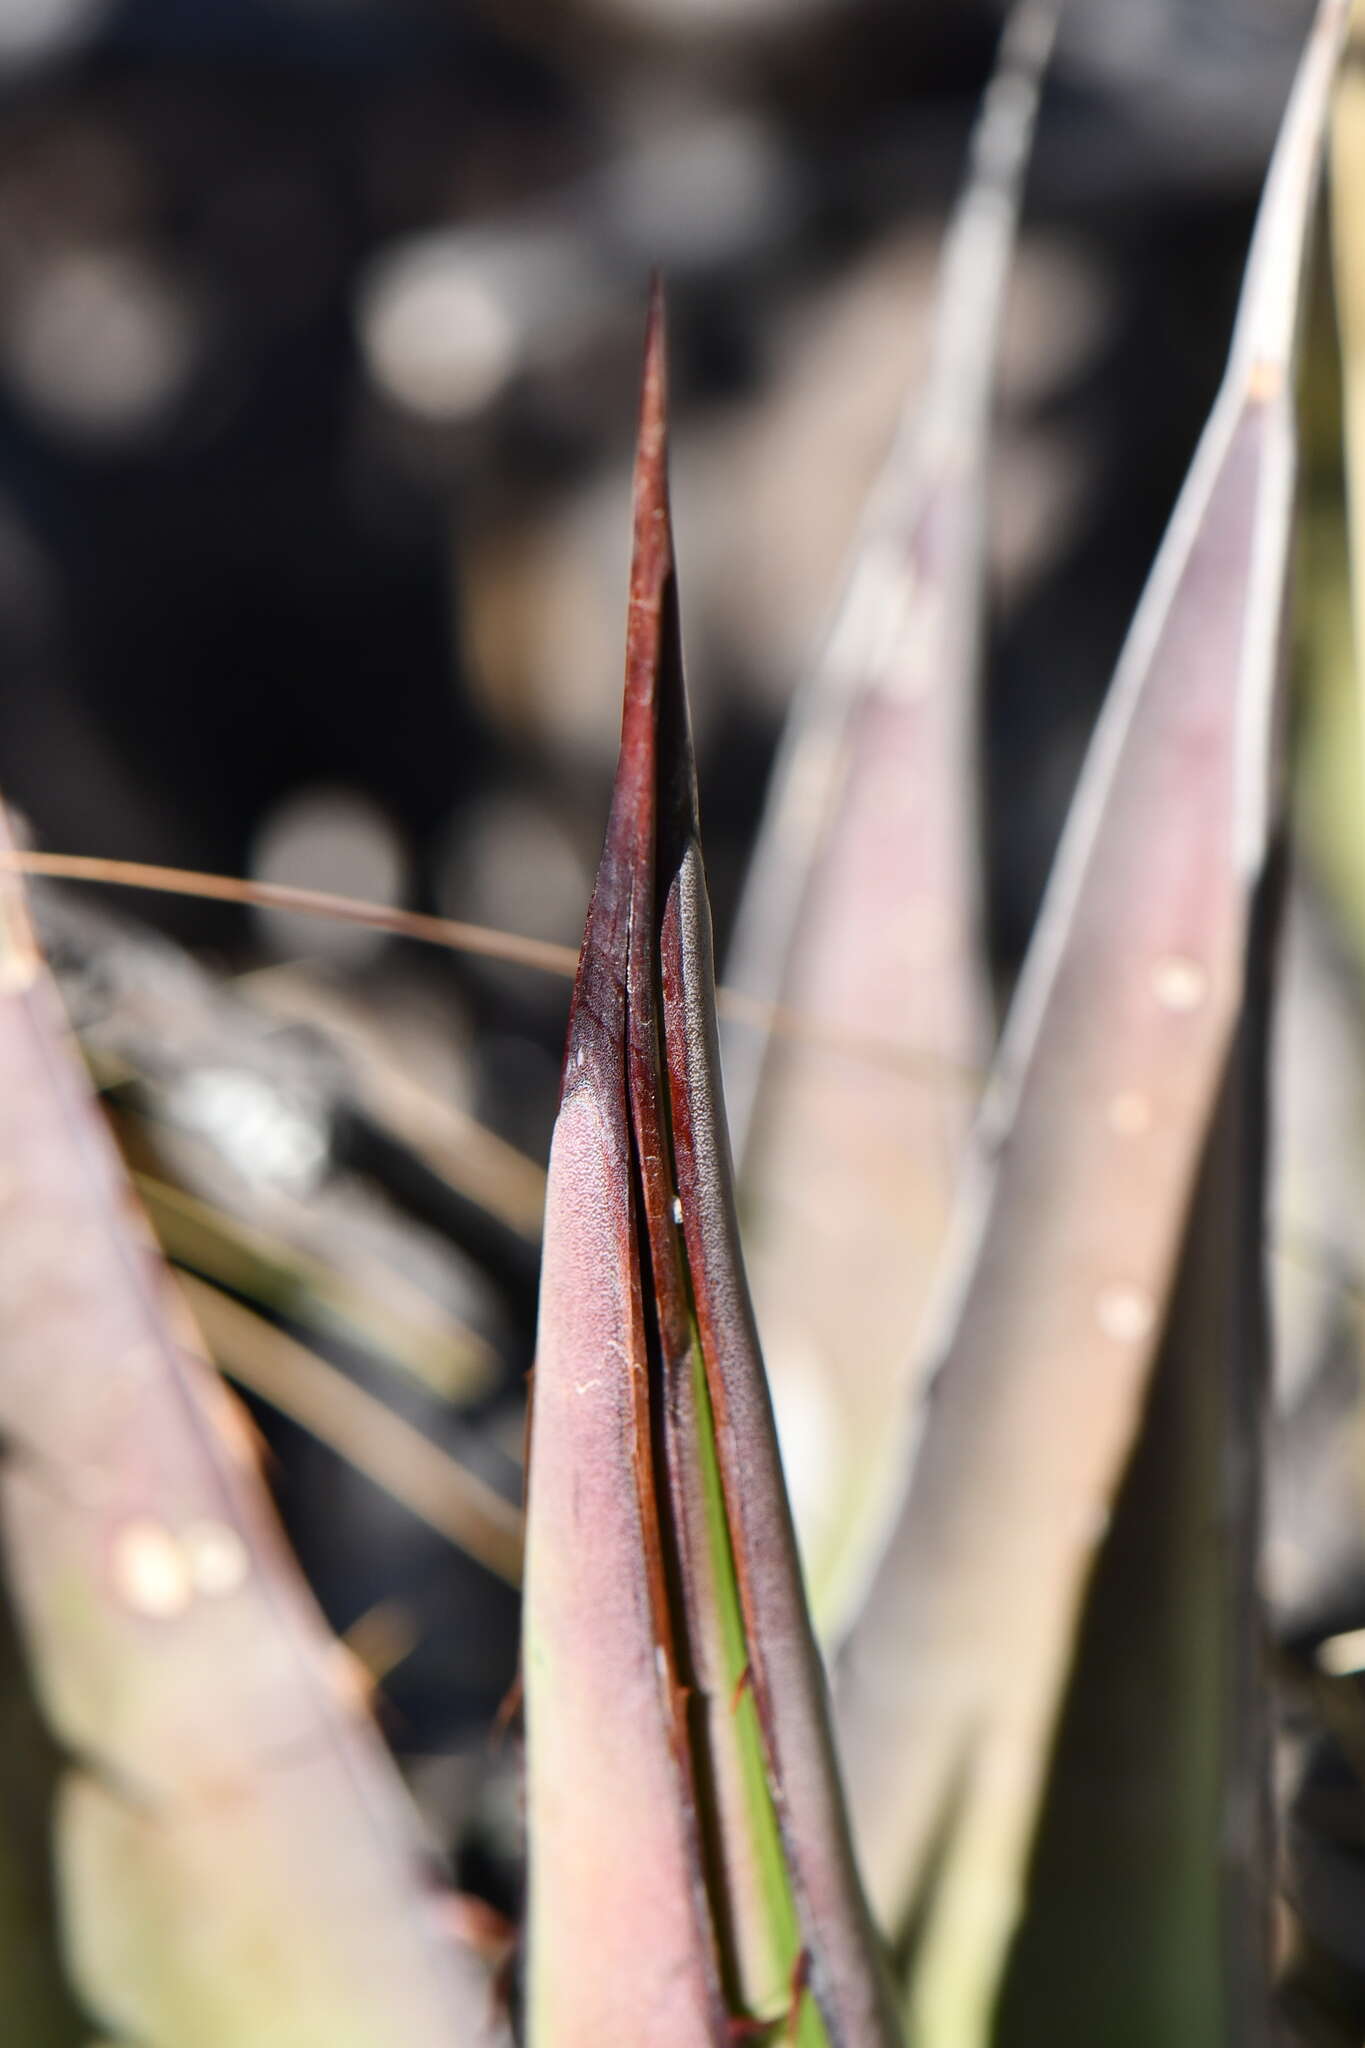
pixel 1329 753
pixel 686 1827
pixel 263 1157
pixel 37 2008
pixel 1329 732
pixel 1153 1926
pixel 1086 1158
pixel 861 912
pixel 1348 271
pixel 235 1859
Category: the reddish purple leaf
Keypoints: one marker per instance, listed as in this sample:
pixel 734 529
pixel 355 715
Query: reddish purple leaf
pixel 664 1613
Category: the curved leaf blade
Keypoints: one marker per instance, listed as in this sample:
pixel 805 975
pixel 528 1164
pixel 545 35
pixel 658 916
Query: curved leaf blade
pixel 686 1823
pixel 861 912
pixel 236 1860
pixel 1085 1164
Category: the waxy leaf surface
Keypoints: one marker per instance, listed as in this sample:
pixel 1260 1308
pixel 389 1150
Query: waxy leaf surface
pixel 686 1827
pixel 1086 1160
pixel 860 918
pixel 236 1862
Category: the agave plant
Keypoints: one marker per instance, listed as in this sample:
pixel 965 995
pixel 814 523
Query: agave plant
pixel 219 1786
pixel 685 1819
pixel 1041 1572
pixel 860 916
pixel 1112 1216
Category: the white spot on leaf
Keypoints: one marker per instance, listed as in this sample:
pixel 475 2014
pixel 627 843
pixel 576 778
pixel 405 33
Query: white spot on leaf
pixel 1124 1313
pixel 150 1570
pixel 216 1558
pixel 1179 983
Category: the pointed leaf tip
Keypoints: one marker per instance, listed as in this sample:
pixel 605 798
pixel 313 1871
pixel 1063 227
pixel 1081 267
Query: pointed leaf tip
pixel 654 407
pixel 653 682
pixel 697 1851
pixel 652 559
pixel 1130 1015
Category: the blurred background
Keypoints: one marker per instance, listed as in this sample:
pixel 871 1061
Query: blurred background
pixel 319 332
